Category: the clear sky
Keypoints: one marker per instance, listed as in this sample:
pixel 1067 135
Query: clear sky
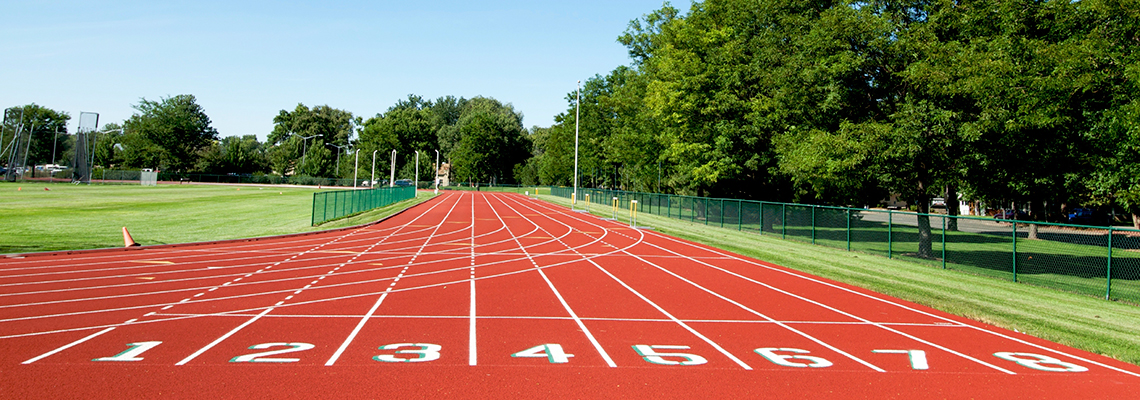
pixel 247 60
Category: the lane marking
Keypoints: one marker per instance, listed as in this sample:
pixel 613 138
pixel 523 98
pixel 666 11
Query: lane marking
pixel 68 346
pixel 152 262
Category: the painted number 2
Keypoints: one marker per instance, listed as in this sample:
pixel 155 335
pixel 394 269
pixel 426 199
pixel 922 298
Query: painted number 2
pixel 263 357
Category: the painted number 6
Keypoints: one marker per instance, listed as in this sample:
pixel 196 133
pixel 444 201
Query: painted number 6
pixel 427 352
pixel 786 359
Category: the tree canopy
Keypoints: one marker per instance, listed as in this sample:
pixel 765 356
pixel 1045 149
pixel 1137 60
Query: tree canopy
pixel 175 127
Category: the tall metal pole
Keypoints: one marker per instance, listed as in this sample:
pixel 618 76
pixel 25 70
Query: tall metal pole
pixel 577 114
pixel 417 181
pixel 437 171
pixel 392 177
pixel 355 168
pixel 373 182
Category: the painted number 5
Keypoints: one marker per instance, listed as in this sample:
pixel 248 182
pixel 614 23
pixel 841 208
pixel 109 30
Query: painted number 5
pixel 427 352
pixel 650 353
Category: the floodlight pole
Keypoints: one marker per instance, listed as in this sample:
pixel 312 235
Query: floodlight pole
pixel 339 148
pixel 577 114
pixel 373 182
pixel 355 168
pixel 437 171
pixel 392 177
pixel 304 146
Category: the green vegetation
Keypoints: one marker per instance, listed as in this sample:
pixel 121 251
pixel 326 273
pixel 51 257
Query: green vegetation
pixel 1083 322
pixel 69 217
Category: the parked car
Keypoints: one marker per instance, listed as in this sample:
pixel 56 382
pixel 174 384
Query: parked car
pixel 1087 216
pixel 1011 214
pixel 938 202
pixel 404 182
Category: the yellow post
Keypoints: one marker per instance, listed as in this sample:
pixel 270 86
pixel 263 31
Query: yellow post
pixel 587 202
pixel 633 213
pixel 573 200
pixel 615 208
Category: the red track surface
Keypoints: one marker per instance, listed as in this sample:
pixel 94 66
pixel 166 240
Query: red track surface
pixel 436 300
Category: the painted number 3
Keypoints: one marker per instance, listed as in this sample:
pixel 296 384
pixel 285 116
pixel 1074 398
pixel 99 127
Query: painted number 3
pixel 426 352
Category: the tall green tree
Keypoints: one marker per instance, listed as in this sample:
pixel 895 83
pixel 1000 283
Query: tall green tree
pixel 177 126
pixel 47 129
pixel 323 125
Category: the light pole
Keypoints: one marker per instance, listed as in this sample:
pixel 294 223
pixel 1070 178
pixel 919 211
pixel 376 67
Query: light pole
pixel 437 171
pixel 304 147
pixel 577 114
pixel 373 182
pixel 392 177
pixel 355 168
pixel 339 149
pixel 417 181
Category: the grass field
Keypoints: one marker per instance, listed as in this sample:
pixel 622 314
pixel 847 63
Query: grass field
pixel 70 217
pixel 1088 323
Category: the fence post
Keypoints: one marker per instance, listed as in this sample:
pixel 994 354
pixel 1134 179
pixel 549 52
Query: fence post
pixel 722 213
pixel 739 215
pixel 890 230
pixel 1108 270
pixel 1014 223
pixel 944 241
pixel 706 201
pixel 783 220
pixel 848 229
pixel 761 203
pixel 813 224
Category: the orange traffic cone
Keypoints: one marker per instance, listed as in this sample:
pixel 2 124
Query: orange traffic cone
pixel 47 190
pixel 128 241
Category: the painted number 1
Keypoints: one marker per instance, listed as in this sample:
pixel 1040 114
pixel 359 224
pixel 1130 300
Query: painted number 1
pixel 131 354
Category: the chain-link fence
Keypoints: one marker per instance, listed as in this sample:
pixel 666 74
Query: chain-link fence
pixel 1091 260
pixel 328 206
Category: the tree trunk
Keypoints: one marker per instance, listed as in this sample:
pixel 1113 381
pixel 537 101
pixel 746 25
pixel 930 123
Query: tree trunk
pixel 1035 212
pixel 952 207
pixel 1135 221
pixel 925 249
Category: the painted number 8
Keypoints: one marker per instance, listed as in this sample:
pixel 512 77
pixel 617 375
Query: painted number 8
pixel 1040 362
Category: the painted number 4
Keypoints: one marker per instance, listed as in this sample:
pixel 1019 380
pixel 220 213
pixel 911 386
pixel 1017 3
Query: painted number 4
pixel 552 352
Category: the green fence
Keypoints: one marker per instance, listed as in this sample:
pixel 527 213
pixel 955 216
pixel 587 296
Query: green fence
pixel 340 203
pixel 1091 260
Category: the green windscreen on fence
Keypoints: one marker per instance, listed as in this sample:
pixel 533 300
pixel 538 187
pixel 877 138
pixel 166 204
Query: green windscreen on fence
pixel 328 206
pixel 1092 260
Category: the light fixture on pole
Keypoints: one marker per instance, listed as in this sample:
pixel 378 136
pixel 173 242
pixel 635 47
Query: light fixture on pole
pixel 339 149
pixel 392 177
pixel 304 146
pixel 373 182
pixel 577 114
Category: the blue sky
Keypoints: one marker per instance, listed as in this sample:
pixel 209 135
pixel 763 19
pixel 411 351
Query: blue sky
pixel 247 60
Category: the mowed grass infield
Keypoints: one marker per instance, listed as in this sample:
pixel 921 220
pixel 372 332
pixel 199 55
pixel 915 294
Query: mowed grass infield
pixel 69 217
pixel 75 217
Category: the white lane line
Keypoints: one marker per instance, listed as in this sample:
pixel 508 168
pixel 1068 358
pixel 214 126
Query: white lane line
pixel 224 337
pixel 581 325
pixel 68 346
pixel 360 325
pixel 472 353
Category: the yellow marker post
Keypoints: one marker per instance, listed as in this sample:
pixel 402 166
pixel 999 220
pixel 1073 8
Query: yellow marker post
pixel 573 199
pixel 615 208
pixel 587 202
pixel 633 214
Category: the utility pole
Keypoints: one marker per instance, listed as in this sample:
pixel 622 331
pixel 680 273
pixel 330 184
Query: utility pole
pixel 392 177
pixel 373 183
pixel 417 181
pixel 355 168
pixel 577 114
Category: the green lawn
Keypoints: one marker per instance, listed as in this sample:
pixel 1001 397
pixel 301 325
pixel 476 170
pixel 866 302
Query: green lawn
pixel 70 217
pixel 1105 327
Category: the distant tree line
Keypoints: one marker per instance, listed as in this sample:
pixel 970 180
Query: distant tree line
pixel 844 102
pixel 483 138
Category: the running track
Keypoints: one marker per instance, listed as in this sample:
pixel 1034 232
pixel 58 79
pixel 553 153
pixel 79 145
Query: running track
pixel 479 295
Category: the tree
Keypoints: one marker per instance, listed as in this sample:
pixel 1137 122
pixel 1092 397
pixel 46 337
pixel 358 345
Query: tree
pixel 233 154
pixel 47 129
pixel 322 124
pixel 177 126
